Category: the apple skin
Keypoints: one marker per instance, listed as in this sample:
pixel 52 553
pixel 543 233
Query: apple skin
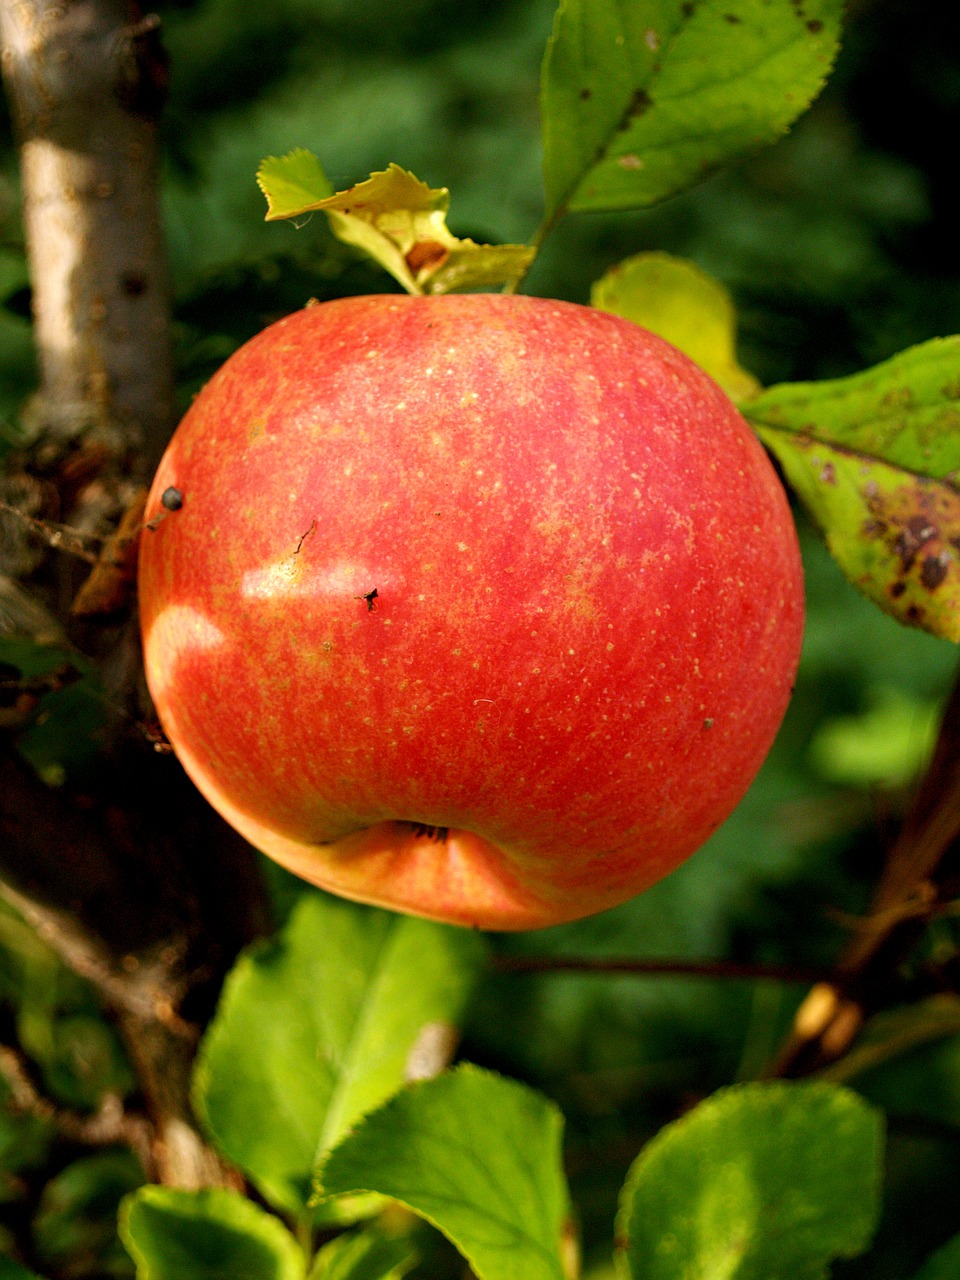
pixel 482 608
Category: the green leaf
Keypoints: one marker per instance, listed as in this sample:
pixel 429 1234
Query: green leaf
pixel 675 299
pixel 50 695
pixel 25 1143
pixel 885 746
pixel 206 1235
pixel 400 222
pixel 78 1212
pixel 293 184
pixel 85 1061
pixel 476 1155
pixel 10 1270
pixel 641 98
pixel 760 1180
pixel 907 1060
pixel 874 459
pixel 945 1263
pixel 320 1025
pixel 364 1255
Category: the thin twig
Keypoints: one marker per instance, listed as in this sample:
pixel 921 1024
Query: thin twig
pixel 62 537
pixel 914 887
pixel 729 970
pixel 109 1125
pixel 142 992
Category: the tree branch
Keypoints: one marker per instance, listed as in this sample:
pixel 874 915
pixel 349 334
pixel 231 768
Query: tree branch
pixel 730 970
pixel 148 895
pixel 109 1125
pixel 85 82
pixel 920 876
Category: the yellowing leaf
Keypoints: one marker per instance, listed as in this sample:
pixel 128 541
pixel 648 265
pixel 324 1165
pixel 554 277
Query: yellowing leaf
pixel 293 184
pixel 400 222
pixel 874 458
pixel 675 299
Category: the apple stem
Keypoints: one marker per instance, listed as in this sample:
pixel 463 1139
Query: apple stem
pixel 545 228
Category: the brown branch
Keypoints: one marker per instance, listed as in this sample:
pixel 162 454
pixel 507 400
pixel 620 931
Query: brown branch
pixel 135 883
pixel 109 1125
pixel 918 880
pixel 58 536
pixel 115 886
pixel 144 993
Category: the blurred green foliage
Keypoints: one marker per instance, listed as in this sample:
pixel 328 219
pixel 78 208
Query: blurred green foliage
pixel 839 246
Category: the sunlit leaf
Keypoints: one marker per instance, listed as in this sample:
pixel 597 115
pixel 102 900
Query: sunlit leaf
pixel 639 100
pixel 206 1235
pixel 320 1025
pixel 874 458
pixel 886 745
pixel 760 1180
pixel 293 184
pixel 479 1157
pixel 675 299
pixel 398 221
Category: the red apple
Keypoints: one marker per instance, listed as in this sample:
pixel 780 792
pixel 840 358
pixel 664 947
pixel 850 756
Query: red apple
pixel 483 608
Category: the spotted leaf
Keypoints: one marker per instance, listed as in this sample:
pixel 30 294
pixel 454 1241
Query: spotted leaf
pixel 641 100
pixel 875 458
pixel 396 219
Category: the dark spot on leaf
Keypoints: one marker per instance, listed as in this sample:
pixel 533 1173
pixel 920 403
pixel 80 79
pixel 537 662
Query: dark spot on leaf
pixel 951 390
pixel 917 525
pixel 828 473
pixel 733 18
pixel 426 254
pixel 933 571
pixel 815 26
pixel 687 9
pixel 638 104
pixel 898 398
pixel 586 95
pixel 916 533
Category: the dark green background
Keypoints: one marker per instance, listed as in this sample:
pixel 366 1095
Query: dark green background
pixel 840 247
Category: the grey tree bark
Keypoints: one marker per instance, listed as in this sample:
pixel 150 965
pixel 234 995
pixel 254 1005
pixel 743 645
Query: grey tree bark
pixel 85 80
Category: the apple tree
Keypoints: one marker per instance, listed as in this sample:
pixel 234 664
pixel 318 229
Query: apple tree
pixel 211 1069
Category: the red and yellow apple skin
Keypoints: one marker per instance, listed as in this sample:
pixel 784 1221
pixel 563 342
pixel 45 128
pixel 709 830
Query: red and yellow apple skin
pixel 481 608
